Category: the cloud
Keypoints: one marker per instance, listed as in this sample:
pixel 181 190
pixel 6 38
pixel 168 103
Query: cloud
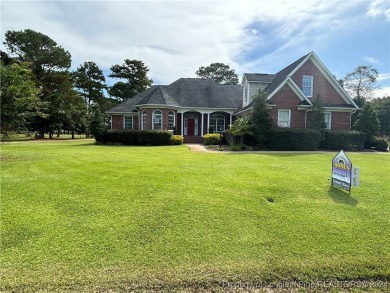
pixel 382 92
pixel 175 38
pixel 379 8
pixel 372 60
pixel 383 76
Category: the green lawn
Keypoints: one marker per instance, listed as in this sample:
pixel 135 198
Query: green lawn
pixel 82 217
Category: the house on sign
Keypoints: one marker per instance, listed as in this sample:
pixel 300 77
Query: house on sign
pixel 194 107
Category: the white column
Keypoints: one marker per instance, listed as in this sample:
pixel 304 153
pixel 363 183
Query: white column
pixel 182 124
pixel 208 122
pixel 201 129
pixel 231 119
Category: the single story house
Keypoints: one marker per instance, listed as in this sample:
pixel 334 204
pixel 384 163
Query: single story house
pixel 193 107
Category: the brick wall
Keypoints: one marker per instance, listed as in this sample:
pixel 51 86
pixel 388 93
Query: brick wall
pixel 116 122
pixel 321 85
pixel 340 121
pixel 287 99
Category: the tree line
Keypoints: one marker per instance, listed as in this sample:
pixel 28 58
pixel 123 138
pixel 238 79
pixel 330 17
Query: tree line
pixel 40 94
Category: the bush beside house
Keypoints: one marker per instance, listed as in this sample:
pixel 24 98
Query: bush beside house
pixel 211 139
pixel 138 137
pixel 346 140
pixel 286 139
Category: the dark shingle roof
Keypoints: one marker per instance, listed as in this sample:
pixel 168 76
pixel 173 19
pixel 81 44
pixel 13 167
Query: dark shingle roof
pixel 204 93
pixel 158 97
pixel 259 77
pixel 281 76
pixel 129 104
pixel 186 92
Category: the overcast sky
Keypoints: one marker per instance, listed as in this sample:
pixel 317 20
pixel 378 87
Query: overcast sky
pixel 175 38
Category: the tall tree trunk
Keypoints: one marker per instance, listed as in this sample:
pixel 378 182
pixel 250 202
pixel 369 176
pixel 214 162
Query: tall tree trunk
pixel 58 133
pixel 72 133
pixel 51 134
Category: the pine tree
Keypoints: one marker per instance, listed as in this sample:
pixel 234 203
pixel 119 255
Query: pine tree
pixel 368 123
pixel 316 117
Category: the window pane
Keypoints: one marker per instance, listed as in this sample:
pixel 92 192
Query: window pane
pixel 284 118
pixel 307 86
pixel 171 120
pixel 157 119
pixel 128 122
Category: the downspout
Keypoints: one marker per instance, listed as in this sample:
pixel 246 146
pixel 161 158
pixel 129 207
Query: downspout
pixel 306 117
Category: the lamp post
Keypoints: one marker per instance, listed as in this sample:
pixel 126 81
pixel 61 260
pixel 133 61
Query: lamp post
pixel 220 137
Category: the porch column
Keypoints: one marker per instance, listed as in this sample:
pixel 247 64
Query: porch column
pixel 231 118
pixel 182 124
pixel 202 126
pixel 208 122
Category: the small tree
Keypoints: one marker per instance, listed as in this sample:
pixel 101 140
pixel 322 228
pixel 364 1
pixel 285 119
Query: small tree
pixel 368 122
pixel 316 118
pixel 261 120
pixel 242 126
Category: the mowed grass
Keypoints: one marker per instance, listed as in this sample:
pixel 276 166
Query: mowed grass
pixel 82 217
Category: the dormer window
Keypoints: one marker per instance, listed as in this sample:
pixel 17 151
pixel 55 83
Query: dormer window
pixel 307 85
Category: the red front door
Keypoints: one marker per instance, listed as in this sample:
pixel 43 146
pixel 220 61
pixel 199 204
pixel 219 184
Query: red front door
pixel 190 127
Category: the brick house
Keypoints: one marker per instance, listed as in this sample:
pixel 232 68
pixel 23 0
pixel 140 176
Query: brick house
pixel 193 107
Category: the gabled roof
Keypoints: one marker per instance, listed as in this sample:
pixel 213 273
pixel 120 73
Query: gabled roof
pixel 282 75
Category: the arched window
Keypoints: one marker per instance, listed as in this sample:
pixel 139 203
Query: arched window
pixel 171 120
pixel 157 119
pixel 217 123
pixel 143 119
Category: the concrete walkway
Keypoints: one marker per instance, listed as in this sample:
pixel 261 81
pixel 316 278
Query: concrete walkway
pixel 196 147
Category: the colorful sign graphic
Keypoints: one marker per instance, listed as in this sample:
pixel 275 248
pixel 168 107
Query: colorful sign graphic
pixel 341 171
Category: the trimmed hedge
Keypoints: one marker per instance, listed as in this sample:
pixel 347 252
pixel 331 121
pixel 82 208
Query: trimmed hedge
pixel 135 137
pixel 290 139
pixel 343 139
pixel 211 138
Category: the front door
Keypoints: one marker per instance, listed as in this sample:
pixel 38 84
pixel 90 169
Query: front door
pixel 191 127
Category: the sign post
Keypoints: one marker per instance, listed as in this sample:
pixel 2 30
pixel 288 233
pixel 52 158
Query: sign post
pixel 342 171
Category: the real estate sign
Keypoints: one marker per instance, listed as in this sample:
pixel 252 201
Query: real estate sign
pixel 341 171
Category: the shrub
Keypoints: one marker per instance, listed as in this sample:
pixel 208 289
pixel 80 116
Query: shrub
pixel 151 137
pixel 211 138
pixel 134 137
pixel 378 143
pixel 240 147
pixel 286 139
pixel 345 139
pixel 176 139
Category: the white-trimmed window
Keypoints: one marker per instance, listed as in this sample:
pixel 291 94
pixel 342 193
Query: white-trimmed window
pixel 217 123
pixel 284 118
pixel 328 120
pixel 143 119
pixel 171 120
pixel 128 122
pixel 307 85
pixel 157 119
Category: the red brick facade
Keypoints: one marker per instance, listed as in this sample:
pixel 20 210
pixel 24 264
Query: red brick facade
pixel 321 86
pixel 288 100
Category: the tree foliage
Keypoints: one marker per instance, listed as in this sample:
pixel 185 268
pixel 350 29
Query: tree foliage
pixel 49 63
pixel 382 108
pixel 316 117
pixel 368 122
pixel 361 82
pixel 219 72
pixel 261 119
pixel 134 73
pixel 89 81
pixel 19 96
pixel 242 126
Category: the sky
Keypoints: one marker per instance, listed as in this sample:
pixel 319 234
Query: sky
pixel 175 38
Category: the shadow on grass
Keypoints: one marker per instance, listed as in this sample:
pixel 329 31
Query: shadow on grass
pixel 341 196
